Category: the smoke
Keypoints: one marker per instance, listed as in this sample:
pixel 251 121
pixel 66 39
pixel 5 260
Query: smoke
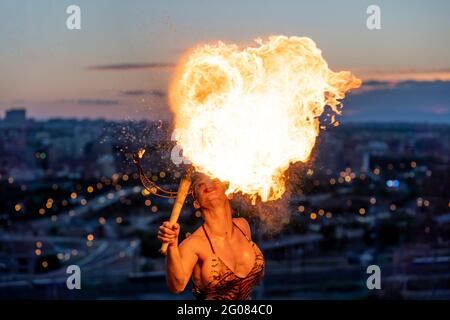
pixel 274 216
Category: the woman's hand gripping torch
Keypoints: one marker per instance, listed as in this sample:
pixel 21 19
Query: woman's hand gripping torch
pixel 179 196
pixel 183 191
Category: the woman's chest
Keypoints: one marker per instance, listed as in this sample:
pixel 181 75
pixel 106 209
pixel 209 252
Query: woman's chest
pixel 228 259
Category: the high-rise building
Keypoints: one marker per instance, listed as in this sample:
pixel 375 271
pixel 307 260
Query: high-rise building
pixel 15 115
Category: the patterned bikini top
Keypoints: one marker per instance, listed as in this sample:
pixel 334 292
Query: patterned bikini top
pixel 226 285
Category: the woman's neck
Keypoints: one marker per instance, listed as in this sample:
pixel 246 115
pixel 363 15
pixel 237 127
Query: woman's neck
pixel 219 221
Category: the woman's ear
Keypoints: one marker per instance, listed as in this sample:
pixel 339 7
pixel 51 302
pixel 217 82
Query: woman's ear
pixel 230 196
pixel 196 204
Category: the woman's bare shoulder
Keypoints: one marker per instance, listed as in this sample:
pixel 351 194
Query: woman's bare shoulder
pixel 195 238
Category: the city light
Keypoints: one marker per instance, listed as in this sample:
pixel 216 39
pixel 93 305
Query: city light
pixel 394 184
pixel 419 202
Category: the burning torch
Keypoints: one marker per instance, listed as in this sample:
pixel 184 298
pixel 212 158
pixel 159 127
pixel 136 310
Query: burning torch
pixel 179 196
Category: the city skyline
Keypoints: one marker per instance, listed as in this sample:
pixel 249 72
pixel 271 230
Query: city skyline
pixel 119 64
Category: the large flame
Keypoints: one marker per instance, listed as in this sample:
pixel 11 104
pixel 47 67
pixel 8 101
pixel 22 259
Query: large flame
pixel 244 116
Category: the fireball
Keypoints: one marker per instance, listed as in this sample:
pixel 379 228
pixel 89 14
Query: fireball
pixel 244 115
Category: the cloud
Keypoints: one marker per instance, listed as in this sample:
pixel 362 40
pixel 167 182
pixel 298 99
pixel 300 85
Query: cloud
pixel 97 102
pixel 140 93
pixel 390 76
pixel 374 80
pixel 375 85
pixel 133 93
pixel 157 93
pixel 132 66
pixel 402 101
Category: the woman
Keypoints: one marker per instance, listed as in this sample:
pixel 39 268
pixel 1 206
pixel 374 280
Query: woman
pixel 221 258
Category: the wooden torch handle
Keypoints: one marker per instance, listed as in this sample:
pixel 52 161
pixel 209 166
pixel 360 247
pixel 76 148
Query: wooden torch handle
pixel 182 193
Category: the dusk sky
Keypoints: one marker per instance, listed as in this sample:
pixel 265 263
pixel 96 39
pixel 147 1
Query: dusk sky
pixel 119 64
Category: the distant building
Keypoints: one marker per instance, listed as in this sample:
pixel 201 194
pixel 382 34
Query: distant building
pixel 15 116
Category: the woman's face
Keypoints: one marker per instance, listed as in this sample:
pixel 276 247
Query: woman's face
pixel 209 192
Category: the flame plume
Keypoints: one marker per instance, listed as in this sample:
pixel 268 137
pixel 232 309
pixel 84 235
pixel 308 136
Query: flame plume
pixel 244 116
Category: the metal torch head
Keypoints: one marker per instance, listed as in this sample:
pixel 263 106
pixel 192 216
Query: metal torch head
pixel 137 156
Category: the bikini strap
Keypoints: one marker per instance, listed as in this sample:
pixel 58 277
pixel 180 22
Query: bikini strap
pixel 242 232
pixel 209 240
